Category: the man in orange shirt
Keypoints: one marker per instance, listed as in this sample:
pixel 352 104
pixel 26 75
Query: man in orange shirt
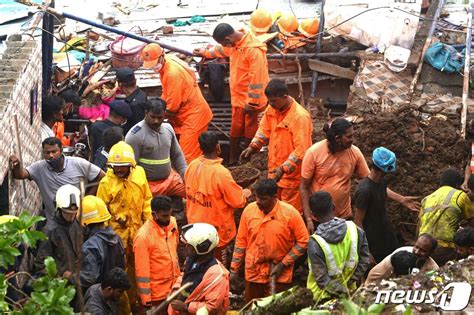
pixel 286 128
pixel 186 108
pixel 248 77
pixel 156 257
pixel 271 237
pixel 212 194
pixel 329 165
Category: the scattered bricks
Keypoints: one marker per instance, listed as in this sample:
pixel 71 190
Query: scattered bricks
pixel 167 29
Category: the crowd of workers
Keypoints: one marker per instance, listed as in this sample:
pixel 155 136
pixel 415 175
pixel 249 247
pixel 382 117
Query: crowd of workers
pixel 152 156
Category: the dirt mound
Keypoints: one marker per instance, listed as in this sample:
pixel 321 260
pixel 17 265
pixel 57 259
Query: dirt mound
pixel 244 175
pixel 424 149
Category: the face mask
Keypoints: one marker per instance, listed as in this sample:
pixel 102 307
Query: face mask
pixel 158 67
pixel 55 163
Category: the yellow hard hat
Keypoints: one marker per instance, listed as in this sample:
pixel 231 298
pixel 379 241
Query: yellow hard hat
pixel 287 23
pixel 260 21
pixel 309 27
pixel 94 210
pixel 121 154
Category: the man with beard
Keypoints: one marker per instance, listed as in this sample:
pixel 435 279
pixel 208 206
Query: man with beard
pixel 54 171
pixel 209 279
pixel 464 241
pixel 156 257
pixel 157 150
pixel 125 191
pixel 423 248
pixel 103 298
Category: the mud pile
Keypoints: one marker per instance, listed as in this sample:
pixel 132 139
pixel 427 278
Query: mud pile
pixel 424 149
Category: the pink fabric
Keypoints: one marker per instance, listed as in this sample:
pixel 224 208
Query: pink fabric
pixel 99 112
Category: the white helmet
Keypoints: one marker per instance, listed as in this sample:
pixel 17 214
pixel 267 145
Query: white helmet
pixel 201 236
pixel 68 196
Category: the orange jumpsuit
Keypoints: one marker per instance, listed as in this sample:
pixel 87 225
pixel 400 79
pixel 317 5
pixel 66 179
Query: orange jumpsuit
pixel 248 79
pixel 58 130
pixel 184 98
pixel 288 135
pixel 211 197
pixel 212 293
pixel 265 239
pixel 156 260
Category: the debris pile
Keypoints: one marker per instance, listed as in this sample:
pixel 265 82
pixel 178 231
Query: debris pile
pixel 424 149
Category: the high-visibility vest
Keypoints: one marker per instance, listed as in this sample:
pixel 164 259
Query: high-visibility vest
pixel 441 219
pixel 472 157
pixel 341 260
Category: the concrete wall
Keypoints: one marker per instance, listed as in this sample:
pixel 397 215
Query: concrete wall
pixel 20 117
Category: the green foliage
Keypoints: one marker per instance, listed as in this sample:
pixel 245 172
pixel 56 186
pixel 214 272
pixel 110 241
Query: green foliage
pixel 353 309
pixel 50 295
pixel 17 231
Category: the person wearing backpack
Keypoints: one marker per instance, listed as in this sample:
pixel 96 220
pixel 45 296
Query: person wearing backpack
pixel 441 214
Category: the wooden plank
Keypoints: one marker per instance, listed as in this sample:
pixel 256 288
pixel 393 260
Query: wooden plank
pixel 329 68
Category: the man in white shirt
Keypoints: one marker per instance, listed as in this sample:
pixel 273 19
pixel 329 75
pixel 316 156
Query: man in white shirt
pixel 423 248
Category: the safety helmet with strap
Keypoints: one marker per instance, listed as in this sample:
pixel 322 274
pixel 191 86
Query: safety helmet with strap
pixel 309 27
pixel 121 154
pixel 201 236
pixel 94 210
pixel 260 21
pixel 287 23
pixel 68 198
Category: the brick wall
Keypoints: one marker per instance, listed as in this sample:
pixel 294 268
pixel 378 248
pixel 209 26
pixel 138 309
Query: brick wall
pixel 20 117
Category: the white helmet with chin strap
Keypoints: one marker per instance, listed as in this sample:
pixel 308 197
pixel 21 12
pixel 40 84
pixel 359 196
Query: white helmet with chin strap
pixel 201 236
pixel 67 197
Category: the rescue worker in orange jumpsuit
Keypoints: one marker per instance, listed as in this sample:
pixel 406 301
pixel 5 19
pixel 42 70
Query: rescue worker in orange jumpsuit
pixel 186 109
pixel 209 279
pixel 286 128
pixel 71 100
pixel 248 78
pixel 156 257
pixel 212 194
pixel 125 191
pixel 271 237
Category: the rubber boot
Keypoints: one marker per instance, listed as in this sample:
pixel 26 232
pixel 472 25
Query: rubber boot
pixel 234 150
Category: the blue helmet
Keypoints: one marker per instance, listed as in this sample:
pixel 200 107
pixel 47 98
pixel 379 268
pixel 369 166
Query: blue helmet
pixel 384 159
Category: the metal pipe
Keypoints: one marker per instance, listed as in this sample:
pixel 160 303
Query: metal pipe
pixel 346 55
pixel 467 65
pixel 429 38
pixel 314 79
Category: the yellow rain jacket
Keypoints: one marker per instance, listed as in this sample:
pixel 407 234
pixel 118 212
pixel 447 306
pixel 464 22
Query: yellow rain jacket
pixel 128 199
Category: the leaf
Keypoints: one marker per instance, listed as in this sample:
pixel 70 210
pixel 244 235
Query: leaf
pixel 376 308
pixel 408 310
pixel 350 307
pixel 50 266
pixel 31 237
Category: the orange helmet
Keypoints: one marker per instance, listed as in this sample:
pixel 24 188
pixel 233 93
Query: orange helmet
pixel 260 21
pixel 287 23
pixel 309 27
pixel 150 55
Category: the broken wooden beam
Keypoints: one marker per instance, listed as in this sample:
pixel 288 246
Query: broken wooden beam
pixel 332 69
pixel 348 55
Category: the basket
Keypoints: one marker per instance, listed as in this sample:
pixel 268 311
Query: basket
pixel 252 174
pixel 125 57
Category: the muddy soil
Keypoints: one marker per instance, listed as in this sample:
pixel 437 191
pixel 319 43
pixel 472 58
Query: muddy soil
pixel 424 150
pixel 244 175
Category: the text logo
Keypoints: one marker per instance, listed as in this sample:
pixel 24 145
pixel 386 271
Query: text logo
pixel 456 300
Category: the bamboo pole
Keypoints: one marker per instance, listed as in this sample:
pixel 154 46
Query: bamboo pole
pixel 467 66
